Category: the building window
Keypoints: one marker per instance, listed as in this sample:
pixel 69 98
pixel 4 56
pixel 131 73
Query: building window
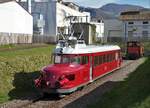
pixel 99 21
pixel 130 22
pixel 130 33
pixel 130 27
pixel 145 33
pixel 145 26
pixel 145 22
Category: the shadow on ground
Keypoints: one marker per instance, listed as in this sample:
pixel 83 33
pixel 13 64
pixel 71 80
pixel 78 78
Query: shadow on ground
pixel 24 86
pixel 93 96
pixel 134 92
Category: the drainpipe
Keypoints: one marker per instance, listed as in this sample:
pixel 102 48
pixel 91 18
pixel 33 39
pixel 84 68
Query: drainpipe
pixel 29 6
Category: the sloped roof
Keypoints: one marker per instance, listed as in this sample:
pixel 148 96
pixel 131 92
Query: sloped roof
pixel 2 1
pixel 135 15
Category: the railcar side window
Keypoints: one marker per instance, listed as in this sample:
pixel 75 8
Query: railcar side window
pixel 100 59
pixel 84 60
pixel 116 57
pixel 113 56
pixel 105 58
pixel 65 59
pixel 75 60
pixel 110 57
pixel 95 61
pixel 130 45
pixel 57 59
pixel 119 54
pixel 108 60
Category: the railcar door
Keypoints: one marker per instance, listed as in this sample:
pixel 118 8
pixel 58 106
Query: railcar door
pixel 91 69
pixel 99 65
pixel 85 72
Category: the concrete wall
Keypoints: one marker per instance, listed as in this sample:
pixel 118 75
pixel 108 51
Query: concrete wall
pixel 14 38
pixel 136 29
pixel 88 32
pixel 42 39
pixel 44 9
pixel 99 30
pixel 14 19
pixel 113 28
pixel 52 19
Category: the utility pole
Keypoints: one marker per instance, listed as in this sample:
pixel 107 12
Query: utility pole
pixel 125 35
pixel 149 4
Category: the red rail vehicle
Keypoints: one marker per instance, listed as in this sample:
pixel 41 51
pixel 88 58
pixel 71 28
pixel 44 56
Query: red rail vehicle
pixel 76 65
pixel 134 50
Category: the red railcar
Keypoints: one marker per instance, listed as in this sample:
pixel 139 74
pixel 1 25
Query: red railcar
pixel 76 66
pixel 134 50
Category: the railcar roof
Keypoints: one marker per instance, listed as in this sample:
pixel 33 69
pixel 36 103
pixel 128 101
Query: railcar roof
pixel 90 49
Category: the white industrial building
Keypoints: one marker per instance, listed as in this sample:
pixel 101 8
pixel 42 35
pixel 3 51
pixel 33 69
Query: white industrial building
pixel 132 25
pixel 113 29
pixel 99 30
pixel 136 24
pixel 16 24
pixel 49 16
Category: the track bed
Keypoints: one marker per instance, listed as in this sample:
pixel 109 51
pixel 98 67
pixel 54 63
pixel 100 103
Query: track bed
pixel 84 97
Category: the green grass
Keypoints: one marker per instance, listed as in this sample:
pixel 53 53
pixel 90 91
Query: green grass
pixel 134 92
pixel 13 47
pixel 7 46
pixel 146 46
pixel 25 52
pixel 18 69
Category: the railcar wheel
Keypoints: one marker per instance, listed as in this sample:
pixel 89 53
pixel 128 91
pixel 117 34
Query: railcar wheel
pixel 46 94
pixel 80 88
pixel 61 95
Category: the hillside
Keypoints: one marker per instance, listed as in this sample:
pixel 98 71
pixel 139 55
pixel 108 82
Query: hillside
pixel 117 8
pixel 110 11
pixel 98 13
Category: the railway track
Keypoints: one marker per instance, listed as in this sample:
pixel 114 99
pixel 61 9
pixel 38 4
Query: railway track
pixel 81 98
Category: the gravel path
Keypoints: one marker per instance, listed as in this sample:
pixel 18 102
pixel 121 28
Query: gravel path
pixel 88 94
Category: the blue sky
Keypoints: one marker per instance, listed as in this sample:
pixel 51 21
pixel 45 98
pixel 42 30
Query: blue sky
pixel 99 3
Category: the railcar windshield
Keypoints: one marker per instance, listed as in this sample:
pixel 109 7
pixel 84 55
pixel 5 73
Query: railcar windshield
pixel 70 59
pixel 66 59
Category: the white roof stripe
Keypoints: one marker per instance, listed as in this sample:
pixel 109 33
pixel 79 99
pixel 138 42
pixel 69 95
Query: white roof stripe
pixel 90 49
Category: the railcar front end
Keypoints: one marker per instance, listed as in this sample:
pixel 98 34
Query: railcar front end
pixel 134 50
pixel 66 75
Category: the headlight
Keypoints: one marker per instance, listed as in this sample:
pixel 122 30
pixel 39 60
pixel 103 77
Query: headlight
pixel 70 77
